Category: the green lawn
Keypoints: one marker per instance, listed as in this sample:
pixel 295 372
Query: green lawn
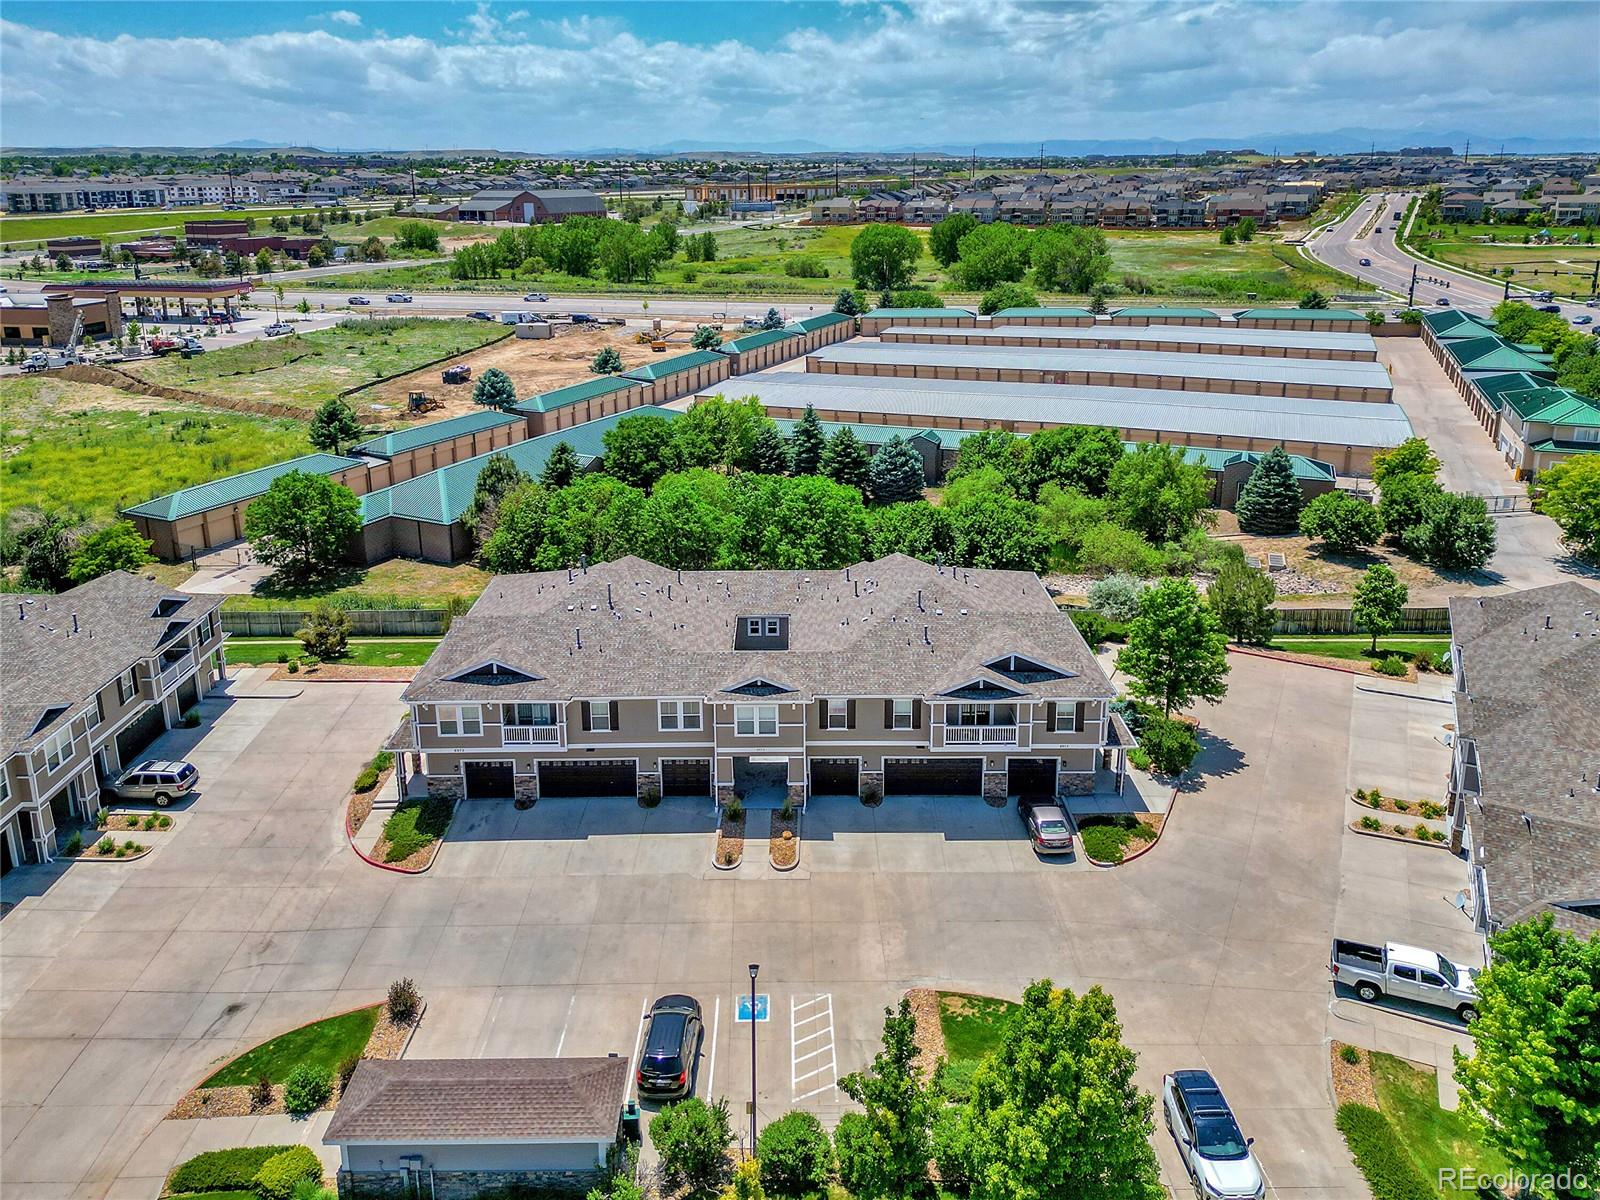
pixel 363 652
pixel 1357 648
pixel 306 369
pixel 27 231
pixel 324 1044
pixel 414 824
pixel 1434 1137
pixel 97 449
pixel 973 1026
pixel 398 583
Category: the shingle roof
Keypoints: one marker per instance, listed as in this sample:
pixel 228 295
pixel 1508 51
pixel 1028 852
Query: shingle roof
pixel 43 664
pixel 600 385
pixel 431 434
pixel 232 488
pixel 671 366
pixel 481 1099
pixel 1532 708
pixel 651 631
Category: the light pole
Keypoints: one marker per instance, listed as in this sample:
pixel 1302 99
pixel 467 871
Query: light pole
pixel 755 969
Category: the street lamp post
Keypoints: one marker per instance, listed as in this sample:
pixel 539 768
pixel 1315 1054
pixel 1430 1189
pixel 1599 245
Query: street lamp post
pixel 755 969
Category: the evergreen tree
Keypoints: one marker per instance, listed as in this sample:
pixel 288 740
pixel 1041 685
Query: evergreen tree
pixel 561 467
pixel 706 337
pixel 1270 500
pixel 494 389
pixel 846 460
pixel 607 362
pixel 773 320
pixel 769 453
pixel 498 477
pixel 895 474
pixel 335 426
pixel 807 444
pixel 849 303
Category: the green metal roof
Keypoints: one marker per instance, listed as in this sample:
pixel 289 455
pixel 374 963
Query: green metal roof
pixel 1213 459
pixel 440 497
pixel 1556 444
pixel 755 340
pixel 1041 312
pixel 1493 353
pixel 894 313
pixel 820 321
pixel 1554 406
pixel 1450 323
pixel 671 366
pixel 600 385
pixel 1299 314
pixel 232 488
pixel 1494 387
pixel 398 442
pixel 1163 310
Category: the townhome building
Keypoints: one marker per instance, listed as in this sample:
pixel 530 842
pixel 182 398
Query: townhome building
pixel 91 677
pixel 886 678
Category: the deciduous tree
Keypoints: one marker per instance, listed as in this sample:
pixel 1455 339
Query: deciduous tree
pixel 1571 498
pixel 882 257
pixel 999 532
pixel 303 523
pixel 1404 501
pixel 1242 596
pixel 114 547
pixel 1081 457
pixel 1455 533
pixel 1070 258
pixel 1343 523
pixel 692 1138
pixel 884 1150
pixel 1176 651
pixel 945 236
pixel 1379 600
pixel 640 449
pixel 1157 492
pixel 1411 457
pixel 917 529
pixel 1007 295
pixel 990 255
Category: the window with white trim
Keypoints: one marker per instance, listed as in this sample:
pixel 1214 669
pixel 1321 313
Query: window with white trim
pixel 771 627
pixel 128 685
pixel 599 716
pixel 838 715
pixel 903 714
pixel 752 626
pixel 755 720
pixel 58 749
pixel 520 715
pixel 678 714
pixel 460 720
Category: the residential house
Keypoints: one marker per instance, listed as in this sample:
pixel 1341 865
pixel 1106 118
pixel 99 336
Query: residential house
pixel 91 677
pixel 893 677
pixel 1461 206
pixel 1576 210
pixel 835 210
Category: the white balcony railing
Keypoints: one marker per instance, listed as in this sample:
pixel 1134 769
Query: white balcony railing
pixel 531 735
pixel 175 670
pixel 985 735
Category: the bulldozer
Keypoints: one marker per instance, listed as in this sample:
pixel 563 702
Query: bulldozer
pixel 421 402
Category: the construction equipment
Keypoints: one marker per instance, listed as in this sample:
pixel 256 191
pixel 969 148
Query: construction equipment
pixel 421 402
pixel 460 373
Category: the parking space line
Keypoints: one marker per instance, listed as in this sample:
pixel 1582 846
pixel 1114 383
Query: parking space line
pixel 711 1067
pixel 638 1041
pixel 562 1040
pixel 815 1011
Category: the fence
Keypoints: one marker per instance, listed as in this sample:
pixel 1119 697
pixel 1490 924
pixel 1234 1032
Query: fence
pixel 364 622
pixel 1338 620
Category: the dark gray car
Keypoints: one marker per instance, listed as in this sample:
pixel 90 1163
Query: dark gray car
pixel 672 1038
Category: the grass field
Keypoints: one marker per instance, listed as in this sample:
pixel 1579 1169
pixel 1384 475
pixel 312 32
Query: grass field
pixel 1356 648
pixel 363 652
pixel 323 1044
pixel 972 1026
pixel 1434 1138
pixel 26 231
pixel 398 583
pixel 98 449
pixel 1560 267
pixel 306 369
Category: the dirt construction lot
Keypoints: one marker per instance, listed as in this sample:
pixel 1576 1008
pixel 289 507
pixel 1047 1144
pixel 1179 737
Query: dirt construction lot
pixel 534 365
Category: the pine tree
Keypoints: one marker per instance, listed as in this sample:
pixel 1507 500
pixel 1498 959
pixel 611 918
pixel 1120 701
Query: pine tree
pixel 773 320
pixel 846 460
pixel 706 337
pixel 494 389
pixel 807 444
pixel 335 426
pixel 896 473
pixel 1270 500
pixel 607 362
pixel 769 455
pixel 561 467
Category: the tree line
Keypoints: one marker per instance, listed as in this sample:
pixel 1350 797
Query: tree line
pixel 621 251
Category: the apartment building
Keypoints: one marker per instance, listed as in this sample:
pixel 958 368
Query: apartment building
pixel 886 678
pixel 91 677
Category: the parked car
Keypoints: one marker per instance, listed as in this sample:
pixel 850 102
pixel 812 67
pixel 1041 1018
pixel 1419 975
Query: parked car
pixel 1366 262
pixel 217 319
pixel 1049 826
pixel 480 315
pixel 156 779
pixel 279 328
pixel 673 1033
pixel 580 318
pixel 358 300
pixel 1407 972
pixel 1215 1153
pixel 398 297
pixel 537 298
pixel 460 373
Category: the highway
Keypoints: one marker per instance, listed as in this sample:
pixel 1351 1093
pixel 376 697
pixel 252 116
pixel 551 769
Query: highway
pixel 1340 246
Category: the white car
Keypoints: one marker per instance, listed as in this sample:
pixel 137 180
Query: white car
pixel 358 300
pixel 278 329
pixel 536 298
pixel 1215 1153
pixel 398 297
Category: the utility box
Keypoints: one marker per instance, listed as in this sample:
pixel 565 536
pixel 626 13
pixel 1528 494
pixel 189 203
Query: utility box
pixel 535 329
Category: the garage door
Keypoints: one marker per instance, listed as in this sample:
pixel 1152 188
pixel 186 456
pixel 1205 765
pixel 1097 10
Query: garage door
pixel 686 777
pixel 835 776
pixel 189 693
pixel 604 778
pixel 145 728
pixel 933 776
pixel 489 780
pixel 1031 778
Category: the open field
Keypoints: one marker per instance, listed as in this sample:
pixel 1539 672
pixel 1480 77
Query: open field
pixel 26 231
pixel 1490 248
pixel 97 449
pixel 398 583
pixel 306 369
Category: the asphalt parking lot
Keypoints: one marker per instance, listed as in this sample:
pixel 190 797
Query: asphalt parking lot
pixel 550 931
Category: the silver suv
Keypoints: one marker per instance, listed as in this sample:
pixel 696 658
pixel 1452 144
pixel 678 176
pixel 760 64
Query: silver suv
pixel 155 780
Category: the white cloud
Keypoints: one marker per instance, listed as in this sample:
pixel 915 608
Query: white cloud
pixel 924 72
pixel 342 16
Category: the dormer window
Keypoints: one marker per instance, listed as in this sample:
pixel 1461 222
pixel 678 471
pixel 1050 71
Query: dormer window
pixel 168 605
pixel 764 632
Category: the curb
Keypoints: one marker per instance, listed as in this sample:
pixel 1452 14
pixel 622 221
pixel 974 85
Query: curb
pixel 1172 807
pixel 350 836
pixel 1395 837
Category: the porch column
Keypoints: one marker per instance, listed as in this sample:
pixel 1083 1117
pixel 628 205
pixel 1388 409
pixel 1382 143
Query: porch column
pixel 400 776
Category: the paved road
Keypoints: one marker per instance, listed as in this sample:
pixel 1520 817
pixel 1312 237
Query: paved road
pixel 547 932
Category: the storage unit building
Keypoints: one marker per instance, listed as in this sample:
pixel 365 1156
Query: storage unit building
pixel 1335 320
pixel 881 318
pixel 681 375
pixel 1162 314
pixel 423 448
pixel 602 396
pixel 1170 339
pixel 1057 317
pixel 765 349
pixel 824 329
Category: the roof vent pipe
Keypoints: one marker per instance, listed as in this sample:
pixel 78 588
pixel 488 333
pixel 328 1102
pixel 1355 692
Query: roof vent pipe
pixel 609 603
pixel 925 638
pixel 74 622
pixel 578 633
pixel 1547 620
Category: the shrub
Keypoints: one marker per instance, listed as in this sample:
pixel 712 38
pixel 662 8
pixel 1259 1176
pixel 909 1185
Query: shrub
pixel 191 719
pixel 795 1154
pixel 282 1173
pixel 1361 795
pixel 261 1091
pixel 102 818
pixel 404 1002
pixel 367 780
pixel 347 1068
pixel 1139 758
pixel 149 822
pixel 1370 823
pixel 130 845
pixel 1422 660
pixel 1116 596
pixel 1431 810
pixel 222 1170
pixel 1350 1054
pixel 1171 745
pixel 733 809
pixel 283 656
pixel 294 666
pixel 692 1139
pixel 1380 1156
pixel 307 1089
pixel 1375 800
pixel 1442 663
pixel 74 844
pixel 1094 628
pixel 106 845
pixel 806 266
pixel 414 825
pixel 164 822
pixel 1394 667
pixel 326 633
pixel 786 811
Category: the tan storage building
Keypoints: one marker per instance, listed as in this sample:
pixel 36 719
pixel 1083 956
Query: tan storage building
pixel 1161 314
pixel 1170 339
pixel 1056 317
pixel 824 329
pixel 879 319
pixel 423 448
pixel 1329 320
pixel 765 349
pixel 681 375
pixel 575 404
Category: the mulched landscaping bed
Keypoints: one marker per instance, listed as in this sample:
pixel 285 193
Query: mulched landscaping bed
pixel 929 1035
pixel 422 857
pixel 1131 845
pixel 1411 808
pixel 388 1042
pixel 730 841
pixel 1403 833
pixel 136 823
pixel 359 806
pixel 1353 666
pixel 345 673
pixel 119 852
pixel 783 843
pixel 1352 1082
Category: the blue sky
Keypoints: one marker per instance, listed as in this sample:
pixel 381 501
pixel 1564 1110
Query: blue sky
pixel 551 76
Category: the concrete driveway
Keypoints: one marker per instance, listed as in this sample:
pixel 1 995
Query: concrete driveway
pixel 550 932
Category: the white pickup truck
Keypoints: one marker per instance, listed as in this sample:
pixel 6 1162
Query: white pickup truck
pixel 1407 972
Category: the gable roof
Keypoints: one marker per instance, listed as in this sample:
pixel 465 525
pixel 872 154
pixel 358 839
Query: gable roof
pixel 754 341
pixel 820 321
pixel 651 371
pixel 231 489
pixel 1313 315
pixel 481 1099
pixel 390 444
pixel 1041 312
pixel 600 385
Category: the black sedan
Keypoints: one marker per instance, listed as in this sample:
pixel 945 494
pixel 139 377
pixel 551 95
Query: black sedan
pixel 673 1033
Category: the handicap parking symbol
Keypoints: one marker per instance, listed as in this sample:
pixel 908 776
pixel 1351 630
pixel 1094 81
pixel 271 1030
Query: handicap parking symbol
pixel 763 1008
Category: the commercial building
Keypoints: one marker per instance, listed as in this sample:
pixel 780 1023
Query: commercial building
pixel 1367 382
pixel 823 330
pixel 504 204
pixel 1336 432
pixel 888 678
pixel 189 295
pixel 1170 339
pixel 91 677
pixel 51 319
pixel 1526 755
pixel 557 204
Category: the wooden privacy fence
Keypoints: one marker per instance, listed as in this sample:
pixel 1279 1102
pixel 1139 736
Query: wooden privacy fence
pixel 364 622
pixel 1338 620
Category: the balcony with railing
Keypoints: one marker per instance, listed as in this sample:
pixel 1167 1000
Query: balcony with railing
pixel 980 735
pixel 174 668
pixel 532 735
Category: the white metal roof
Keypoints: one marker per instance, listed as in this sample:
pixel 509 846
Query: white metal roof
pixel 1201 334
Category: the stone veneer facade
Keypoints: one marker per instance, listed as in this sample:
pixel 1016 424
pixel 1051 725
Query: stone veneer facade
pixel 466 1185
